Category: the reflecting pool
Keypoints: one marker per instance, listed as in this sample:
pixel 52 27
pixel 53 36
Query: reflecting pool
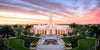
pixel 50 41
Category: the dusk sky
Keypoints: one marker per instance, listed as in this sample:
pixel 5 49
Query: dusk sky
pixel 38 11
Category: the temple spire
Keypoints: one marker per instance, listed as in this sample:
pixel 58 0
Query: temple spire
pixel 50 20
pixel 50 30
pixel 51 11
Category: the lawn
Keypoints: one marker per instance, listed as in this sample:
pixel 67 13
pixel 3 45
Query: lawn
pixel 16 44
pixel 29 40
pixel 2 45
pixel 85 35
pixel 85 44
pixel 66 40
pixel 73 40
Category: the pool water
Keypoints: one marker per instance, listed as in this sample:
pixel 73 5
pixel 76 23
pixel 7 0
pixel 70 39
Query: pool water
pixel 50 41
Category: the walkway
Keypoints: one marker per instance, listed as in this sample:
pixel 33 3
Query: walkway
pixel 60 45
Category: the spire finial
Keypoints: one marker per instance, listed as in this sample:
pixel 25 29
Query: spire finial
pixel 51 11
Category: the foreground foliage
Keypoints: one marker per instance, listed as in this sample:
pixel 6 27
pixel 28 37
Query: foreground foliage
pixel 5 32
pixel 29 40
pixel 73 40
pixel 85 44
pixel 2 45
pixel 17 44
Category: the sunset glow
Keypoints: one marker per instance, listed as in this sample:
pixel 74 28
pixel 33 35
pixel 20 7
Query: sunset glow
pixel 38 11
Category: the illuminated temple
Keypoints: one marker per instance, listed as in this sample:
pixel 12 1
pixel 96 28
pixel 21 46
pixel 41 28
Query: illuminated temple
pixel 51 28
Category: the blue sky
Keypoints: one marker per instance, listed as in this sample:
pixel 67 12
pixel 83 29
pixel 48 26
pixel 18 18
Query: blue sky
pixel 39 10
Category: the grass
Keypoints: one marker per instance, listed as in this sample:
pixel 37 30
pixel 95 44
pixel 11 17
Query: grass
pixel 98 47
pixel 73 40
pixel 29 40
pixel 2 45
pixel 16 44
pixel 65 40
pixel 85 35
pixel 85 44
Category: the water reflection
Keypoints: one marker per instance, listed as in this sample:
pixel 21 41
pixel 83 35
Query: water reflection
pixel 50 41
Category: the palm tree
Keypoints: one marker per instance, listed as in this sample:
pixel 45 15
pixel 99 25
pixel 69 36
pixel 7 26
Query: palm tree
pixel 64 35
pixel 73 25
pixel 15 26
pixel 87 26
pixel 76 31
pixel 6 31
pixel 20 26
pixel 28 28
pixel 25 32
pixel 18 30
pixel 83 29
pixel 95 30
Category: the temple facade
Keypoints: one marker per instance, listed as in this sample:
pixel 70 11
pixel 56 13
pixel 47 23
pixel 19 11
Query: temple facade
pixel 51 28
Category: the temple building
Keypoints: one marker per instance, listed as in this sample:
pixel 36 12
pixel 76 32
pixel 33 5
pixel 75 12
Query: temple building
pixel 51 28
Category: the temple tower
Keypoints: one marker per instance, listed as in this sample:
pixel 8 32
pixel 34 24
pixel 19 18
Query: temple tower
pixel 51 24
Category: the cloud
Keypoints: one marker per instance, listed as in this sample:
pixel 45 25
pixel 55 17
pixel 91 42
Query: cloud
pixel 65 11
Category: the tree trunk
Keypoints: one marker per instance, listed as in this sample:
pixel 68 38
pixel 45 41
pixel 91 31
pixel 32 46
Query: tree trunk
pixel 8 41
pixel 95 43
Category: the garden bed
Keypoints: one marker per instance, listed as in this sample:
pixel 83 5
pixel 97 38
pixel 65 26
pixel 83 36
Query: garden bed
pixel 73 40
pixel 29 40
pixel 2 45
pixel 85 44
pixel 17 44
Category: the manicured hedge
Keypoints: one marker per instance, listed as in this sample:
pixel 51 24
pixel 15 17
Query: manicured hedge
pixel 2 45
pixel 17 44
pixel 98 47
pixel 73 40
pixel 85 44
pixel 29 40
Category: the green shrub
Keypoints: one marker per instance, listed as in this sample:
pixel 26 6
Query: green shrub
pixel 2 45
pixel 25 32
pixel 34 45
pixel 67 45
pixel 31 34
pixel 73 40
pixel 29 40
pixel 37 34
pixel 64 35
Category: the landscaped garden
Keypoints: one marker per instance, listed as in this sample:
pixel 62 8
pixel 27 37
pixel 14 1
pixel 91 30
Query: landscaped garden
pixel 2 45
pixel 98 47
pixel 17 44
pixel 17 40
pixel 29 40
pixel 85 35
pixel 73 40
pixel 22 43
pixel 85 44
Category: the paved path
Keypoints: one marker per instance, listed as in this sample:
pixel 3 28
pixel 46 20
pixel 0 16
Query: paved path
pixel 60 45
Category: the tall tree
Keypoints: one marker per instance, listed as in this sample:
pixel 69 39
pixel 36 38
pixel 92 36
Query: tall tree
pixel 25 32
pixel 87 26
pixel 15 26
pixel 83 29
pixel 20 26
pixel 28 28
pixel 18 30
pixel 6 31
pixel 95 30
pixel 73 25
pixel 76 31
